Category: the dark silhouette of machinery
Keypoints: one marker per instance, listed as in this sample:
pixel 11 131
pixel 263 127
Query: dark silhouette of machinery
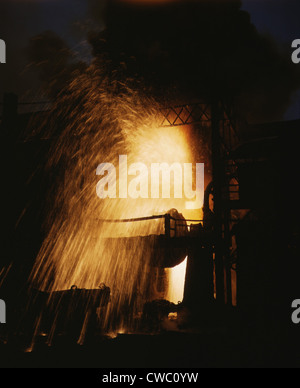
pixel 244 179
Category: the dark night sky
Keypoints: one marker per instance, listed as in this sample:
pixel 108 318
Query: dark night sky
pixel 70 19
pixel 280 19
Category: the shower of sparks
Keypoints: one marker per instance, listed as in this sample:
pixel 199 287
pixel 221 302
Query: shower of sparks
pixel 97 120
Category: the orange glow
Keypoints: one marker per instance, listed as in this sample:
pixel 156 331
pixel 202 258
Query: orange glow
pixel 76 251
pixel 176 282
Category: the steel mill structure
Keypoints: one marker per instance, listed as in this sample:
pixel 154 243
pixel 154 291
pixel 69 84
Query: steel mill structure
pixel 214 274
pixel 220 120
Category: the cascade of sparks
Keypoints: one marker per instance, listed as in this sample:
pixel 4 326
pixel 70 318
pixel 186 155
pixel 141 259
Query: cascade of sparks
pixel 94 122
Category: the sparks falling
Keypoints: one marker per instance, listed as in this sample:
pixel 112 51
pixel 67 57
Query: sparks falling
pixel 103 119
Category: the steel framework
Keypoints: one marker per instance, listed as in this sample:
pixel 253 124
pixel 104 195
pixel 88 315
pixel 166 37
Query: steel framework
pixel 219 118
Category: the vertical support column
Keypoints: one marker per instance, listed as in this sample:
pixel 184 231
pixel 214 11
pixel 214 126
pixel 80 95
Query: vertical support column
pixel 9 116
pixel 227 252
pixel 10 107
pixel 199 290
pixel 168 225
pixel 217 192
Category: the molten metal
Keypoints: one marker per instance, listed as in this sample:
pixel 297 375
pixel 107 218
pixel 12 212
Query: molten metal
pixel 102 126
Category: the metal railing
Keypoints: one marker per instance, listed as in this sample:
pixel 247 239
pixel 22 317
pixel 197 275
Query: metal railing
pixel 167 218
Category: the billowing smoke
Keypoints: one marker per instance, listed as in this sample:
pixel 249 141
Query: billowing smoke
pixel 54 62
pixel 200 49
pixel 15 36
pixel 181 50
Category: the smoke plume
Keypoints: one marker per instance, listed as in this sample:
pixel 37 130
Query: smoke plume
pixel 199 49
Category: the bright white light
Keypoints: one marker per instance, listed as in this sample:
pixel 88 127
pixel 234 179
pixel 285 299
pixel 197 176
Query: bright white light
pixel 176 282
